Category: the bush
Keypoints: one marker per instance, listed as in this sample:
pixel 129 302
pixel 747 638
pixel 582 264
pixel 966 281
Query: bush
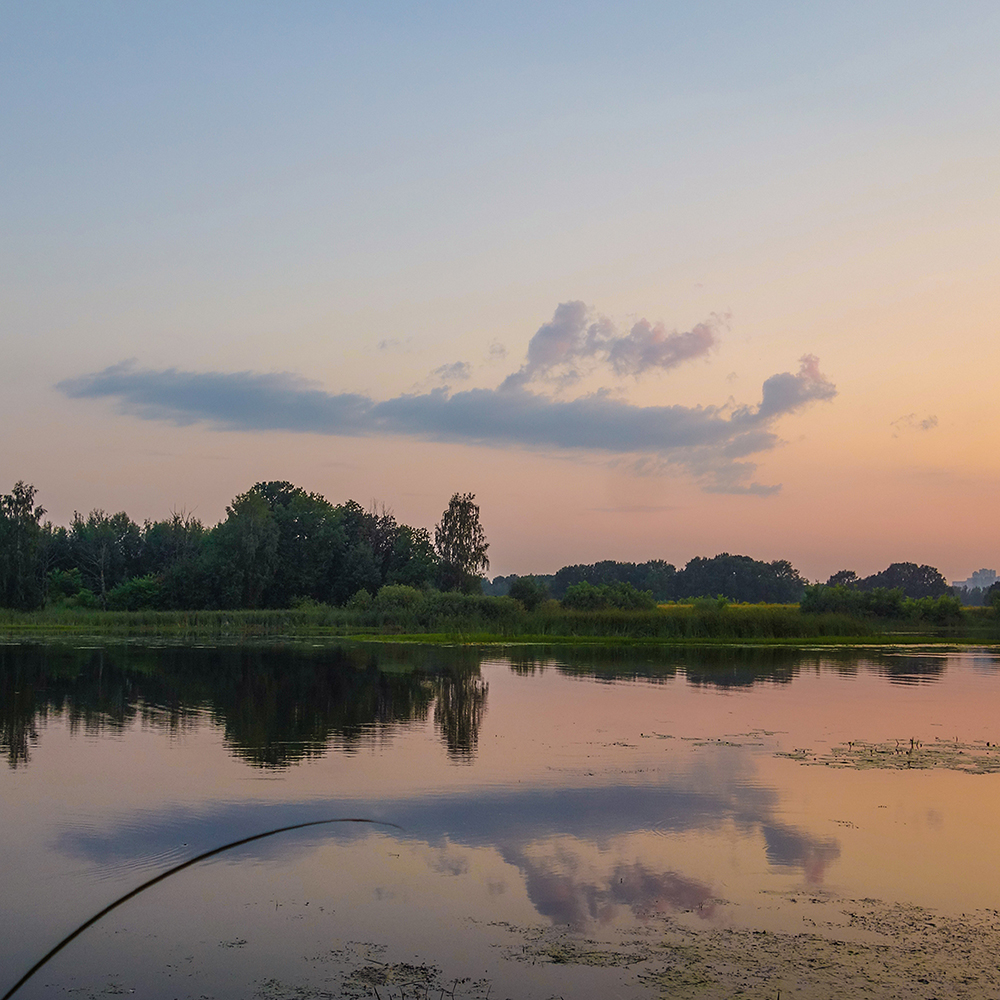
pixel 399 597
pixel 361 601
pixel 141 593
pixel 64 584
pixel 621 596
pixel 528 591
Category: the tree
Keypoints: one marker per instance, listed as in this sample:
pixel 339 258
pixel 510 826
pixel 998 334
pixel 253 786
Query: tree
pixel 107 548
pixel 245 551
pixel 461 544
pixel 913 580
pixel 528 591
pixel 21 541
pixel 741 578
pixel 414 561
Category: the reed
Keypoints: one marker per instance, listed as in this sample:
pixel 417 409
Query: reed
pixel 456 617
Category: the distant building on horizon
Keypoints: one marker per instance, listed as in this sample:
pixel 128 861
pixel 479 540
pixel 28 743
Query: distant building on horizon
pixel 982 578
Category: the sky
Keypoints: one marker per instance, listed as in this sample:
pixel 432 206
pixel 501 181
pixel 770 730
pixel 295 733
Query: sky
pixel 652 280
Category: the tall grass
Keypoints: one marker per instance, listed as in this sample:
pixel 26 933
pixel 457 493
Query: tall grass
pixel 405 611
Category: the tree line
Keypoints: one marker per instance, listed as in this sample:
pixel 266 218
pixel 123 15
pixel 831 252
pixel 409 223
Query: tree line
pixel 280 545
pixel 277 545
pixel 735 577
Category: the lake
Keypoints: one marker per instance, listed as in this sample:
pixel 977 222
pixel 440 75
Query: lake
pixel 522 823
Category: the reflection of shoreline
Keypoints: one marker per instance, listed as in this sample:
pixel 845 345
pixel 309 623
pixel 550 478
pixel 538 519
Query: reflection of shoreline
pixel 276 706
pixel 731 666
pixel 280 705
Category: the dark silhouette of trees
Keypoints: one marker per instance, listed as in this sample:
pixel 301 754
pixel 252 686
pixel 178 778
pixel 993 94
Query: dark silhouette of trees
pixel 528 591
pixel 655 576
pixel 911 579
pixel 22 557
pixel 106 548
pixel 740 578
pixel 461 544
pixel 278 544
pixel 245 550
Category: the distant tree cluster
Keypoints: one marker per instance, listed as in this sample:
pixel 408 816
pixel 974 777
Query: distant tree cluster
pixel 901 591
pixel 277 545
pixel 911 579
pixel 973 597
pixel 737 578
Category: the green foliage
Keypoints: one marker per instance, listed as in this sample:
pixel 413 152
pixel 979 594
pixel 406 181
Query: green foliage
pixel 413 560
pixel 740 578
pixel 623 596
pixel 179 538
pixel 22 576
pixel 244 551
pixel 141 593
pixel 83 599
pixel 844 599
pixel 63 584
pixel 911 579
pixel 883 604
pixel 528 591
pixel 656 576
pixel 461 544
pixel 106 548
pixel 360 600
pixel 943 610
pixel 908 578
pixel 398 597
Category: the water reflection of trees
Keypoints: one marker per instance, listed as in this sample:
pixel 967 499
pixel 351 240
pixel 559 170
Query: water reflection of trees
pixel 721 666
pixel 459 707
pixel 275 705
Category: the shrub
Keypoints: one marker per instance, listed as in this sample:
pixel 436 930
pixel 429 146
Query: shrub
pixel 361 601
pixel 528 591
pixel 398 596
pixel 141 593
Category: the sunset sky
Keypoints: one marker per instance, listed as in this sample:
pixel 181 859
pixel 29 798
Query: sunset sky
pixel 652 280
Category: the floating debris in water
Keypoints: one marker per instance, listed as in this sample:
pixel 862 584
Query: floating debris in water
pixel 859 947
pixel 978 757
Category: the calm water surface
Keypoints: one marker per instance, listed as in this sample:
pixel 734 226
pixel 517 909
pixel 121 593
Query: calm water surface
pixel 525 802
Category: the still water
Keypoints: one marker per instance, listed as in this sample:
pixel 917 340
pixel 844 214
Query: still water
pixel 537 823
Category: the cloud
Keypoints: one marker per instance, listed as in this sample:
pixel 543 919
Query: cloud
pixel 787 392
pixel 576 339
pixel 458 371
pixel 911 422
pixel 712 443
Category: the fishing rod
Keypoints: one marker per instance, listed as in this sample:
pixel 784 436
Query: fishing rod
pixel 173 871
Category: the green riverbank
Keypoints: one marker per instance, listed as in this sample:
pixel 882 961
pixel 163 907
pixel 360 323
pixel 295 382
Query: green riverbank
pixel 479 620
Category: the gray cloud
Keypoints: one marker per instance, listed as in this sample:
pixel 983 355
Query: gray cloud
pixel 707 441
pixel 458 371
pixel 575 337
pixel 786 392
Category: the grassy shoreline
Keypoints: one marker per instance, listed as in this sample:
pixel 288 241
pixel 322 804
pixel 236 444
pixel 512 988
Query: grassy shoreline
pixel 784 625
